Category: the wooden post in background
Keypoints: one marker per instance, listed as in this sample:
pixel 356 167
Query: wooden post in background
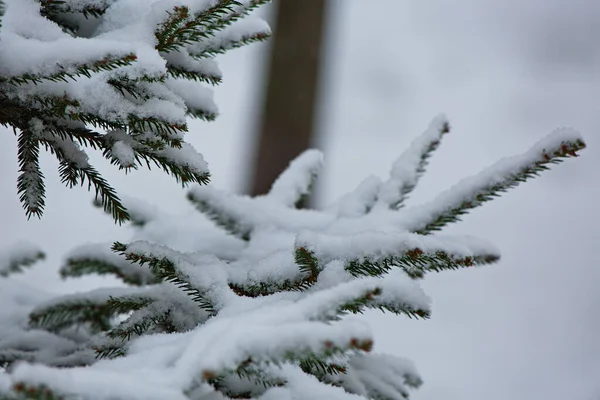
pixel 288 120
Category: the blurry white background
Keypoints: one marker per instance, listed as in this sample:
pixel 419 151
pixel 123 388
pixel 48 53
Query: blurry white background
pixel 506 73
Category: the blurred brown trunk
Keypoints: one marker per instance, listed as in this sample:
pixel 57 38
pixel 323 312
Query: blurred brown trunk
pixel 288 119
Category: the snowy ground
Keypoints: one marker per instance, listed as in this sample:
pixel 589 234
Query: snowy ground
pixel 506 73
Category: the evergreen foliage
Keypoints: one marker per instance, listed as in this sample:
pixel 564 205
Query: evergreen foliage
pixel 260 304
pixel 112 77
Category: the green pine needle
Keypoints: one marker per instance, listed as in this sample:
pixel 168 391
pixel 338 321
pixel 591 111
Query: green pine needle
pixel 167 270
pixel 488 191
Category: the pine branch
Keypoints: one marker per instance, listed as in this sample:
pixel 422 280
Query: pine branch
pixel 235 11
pixel 128 87
pixel 140 214
pixel 128 303
pixel 360 201
pixel 167 270
pixel 178 72
pixel 247 381
pixel 308 265
pixel 209 203
pixel 309 269
pixel 198 113
pixel 79 135
pixel 415 262
pixel 77 266
pixel 250 368
pixel 450 206
pixel 128 329
pixel 108 63
pixel 181 28
pixel 379 376
pixel 410 166
pixel 369 300
pixel 60 316
pixel 30 183
pixel 15 260
pixel 169 132
pixel 96 310
pixel 66 117
pixel 318 367
pixel 212 48
pixel 53 8
pixel 72 174
pixel 294 185
pixel 169 161
pixel 110 351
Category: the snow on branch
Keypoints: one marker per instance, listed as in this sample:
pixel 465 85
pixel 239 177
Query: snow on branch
pixel 185 26
pixel 140 212
pixel 294 184
pixel 376 253
pixel 53 9
pixel 35 345
pixel 30 183
pixel 378 376
pixel 180 64
pixel 104 65
pixel 223 209
pixel 99 259
pixel 60 73
pixel 410 166
pixel 399 295
pixel 506 174
pixel 93 308
pixel 19 256
pixel 360 201
pixel 273 318
pixel 202 279
pixel 180 160
pixel 373 193
pixel 295 341
pixel 247 31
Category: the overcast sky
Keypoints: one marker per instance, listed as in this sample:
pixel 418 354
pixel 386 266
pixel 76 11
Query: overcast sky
pixel 506 73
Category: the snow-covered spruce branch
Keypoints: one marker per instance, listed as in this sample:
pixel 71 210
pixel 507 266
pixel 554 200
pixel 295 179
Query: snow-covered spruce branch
pixel 183 27
pixel 378 376
pixel 94 259
pixel 19 256
pixel 235 214
pixel 279 323
pixel 84 65
pixel 376 253
pixel 182 65
pixel 170 266
pixel 54 9
pixel 62 72
pixel 140 213
pixel 410 166
pixel 506 174
pixel 216 206
pixel 30 182
pixel 308 270
pixel 295 184
pixel 220 45
pixel 95 309
pixel 181 161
